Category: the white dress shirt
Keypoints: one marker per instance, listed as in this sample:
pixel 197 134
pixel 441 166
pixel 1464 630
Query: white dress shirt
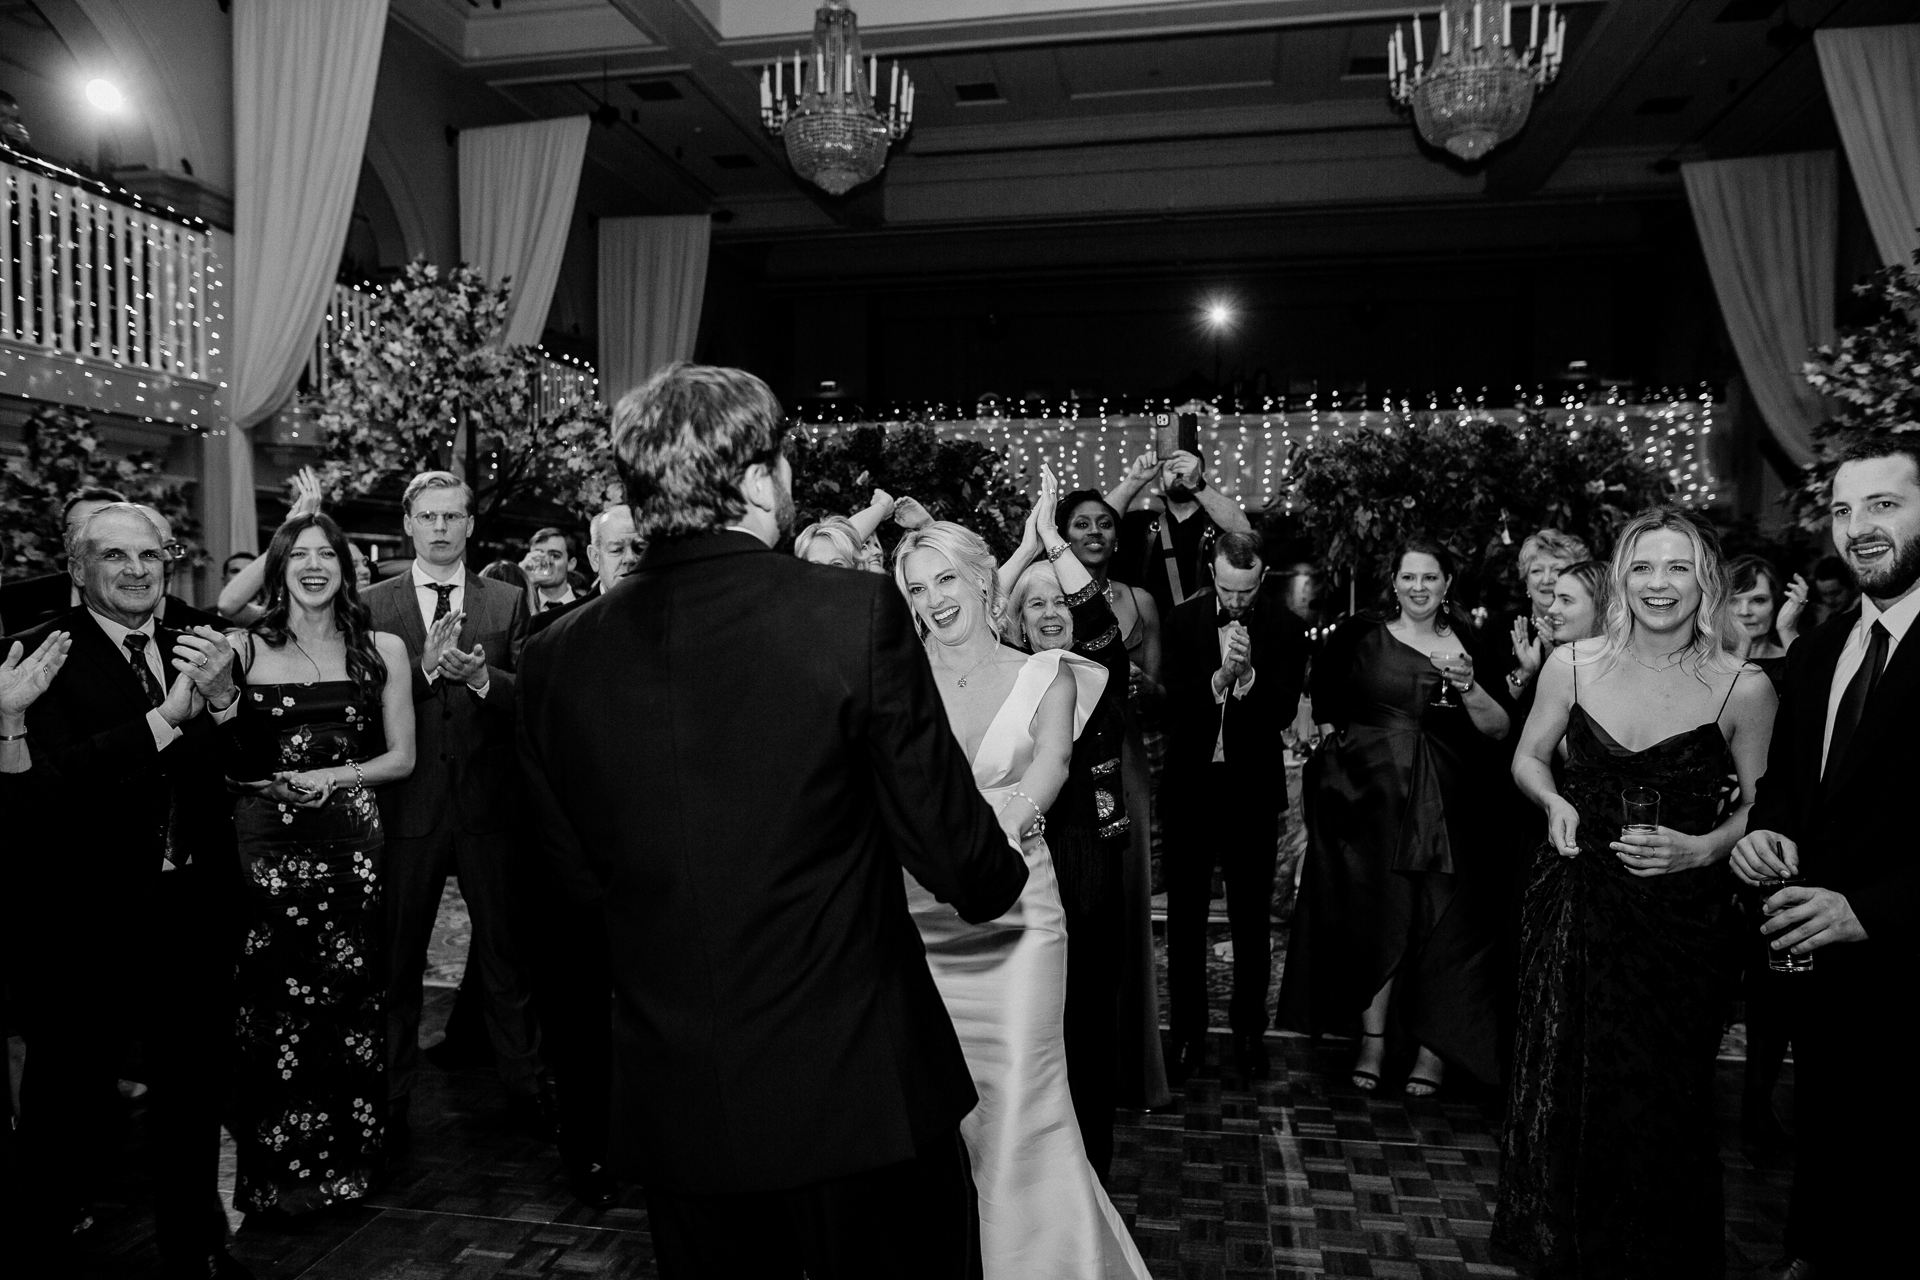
pixel 164 734
pixel 1896 620
pixel 1241 687
pixel 425 577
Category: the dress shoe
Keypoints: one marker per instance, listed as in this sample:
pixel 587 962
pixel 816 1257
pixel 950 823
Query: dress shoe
pixel 1189 1056
pixel 536 1114
pixel 593 1186
pixel 1787 1269
pixel 1250 1053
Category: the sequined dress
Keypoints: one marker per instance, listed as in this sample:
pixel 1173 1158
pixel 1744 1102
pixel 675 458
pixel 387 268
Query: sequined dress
pixel 310 1073
pixel 1610 1162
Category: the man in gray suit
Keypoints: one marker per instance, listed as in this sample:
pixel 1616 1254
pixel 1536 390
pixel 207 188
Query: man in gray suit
pixel 456 813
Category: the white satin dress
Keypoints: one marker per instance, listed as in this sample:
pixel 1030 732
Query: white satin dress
pixel 1043 1213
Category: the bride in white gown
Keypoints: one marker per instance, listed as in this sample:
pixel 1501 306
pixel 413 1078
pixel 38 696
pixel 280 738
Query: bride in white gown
pixel 1043 1213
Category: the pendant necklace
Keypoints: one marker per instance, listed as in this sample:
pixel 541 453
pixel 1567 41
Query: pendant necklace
pixel 975 667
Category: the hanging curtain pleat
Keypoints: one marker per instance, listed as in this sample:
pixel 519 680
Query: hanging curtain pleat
pixel 653 276
pixel 1873 83
pixel 517 187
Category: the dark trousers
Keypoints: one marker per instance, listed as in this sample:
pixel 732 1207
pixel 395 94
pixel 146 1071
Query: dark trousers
pixel 1850 1181
pixel 1091 891
pixel 416 875
pixel 152 982
pixel 1217 816
pixel 908 1219
pixel 574 988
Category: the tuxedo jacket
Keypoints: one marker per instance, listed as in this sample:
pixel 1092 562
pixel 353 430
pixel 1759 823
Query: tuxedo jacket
pixel 1253 724
pixel 735 753
pixel 100 781
pixel 1855 830
pixel 464 771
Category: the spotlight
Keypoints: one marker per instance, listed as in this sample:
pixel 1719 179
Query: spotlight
pixel 1219 315
pixel 104 95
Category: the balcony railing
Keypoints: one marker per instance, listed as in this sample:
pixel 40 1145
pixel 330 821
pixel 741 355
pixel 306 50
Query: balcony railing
pixel 85 275
pixel 562 383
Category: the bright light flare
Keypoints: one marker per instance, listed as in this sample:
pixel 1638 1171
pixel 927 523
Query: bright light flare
pixel 1219 315
pixel 105 95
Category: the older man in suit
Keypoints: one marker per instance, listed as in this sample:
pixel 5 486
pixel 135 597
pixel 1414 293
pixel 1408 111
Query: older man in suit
pixel 1834 813
pixel 456 813
pixel 135 928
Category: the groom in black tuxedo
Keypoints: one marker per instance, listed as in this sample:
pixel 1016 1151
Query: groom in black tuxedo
pixel 734 754
pixel 1835 808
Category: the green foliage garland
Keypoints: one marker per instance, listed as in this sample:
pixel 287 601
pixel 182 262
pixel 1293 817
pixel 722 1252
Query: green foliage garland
pixel 1478 486
pixel 63 455
pixel 423 365
pixel 959 480
pixel 1873 376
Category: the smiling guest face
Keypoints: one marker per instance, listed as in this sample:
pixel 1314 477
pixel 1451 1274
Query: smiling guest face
pixel 1876 524
pixel 950 608
pixel 1543 571
pixel 1090 532
pixel 1663 581
pixel 1572 616
pixel 1419 585
pixel 122 567
pixel 313 570
pixel 1043 609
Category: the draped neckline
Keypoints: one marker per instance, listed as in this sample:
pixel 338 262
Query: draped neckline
pixel 1607 738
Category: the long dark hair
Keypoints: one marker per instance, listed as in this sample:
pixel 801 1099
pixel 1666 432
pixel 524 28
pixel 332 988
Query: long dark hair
pixel 365 667
pixel 1451 616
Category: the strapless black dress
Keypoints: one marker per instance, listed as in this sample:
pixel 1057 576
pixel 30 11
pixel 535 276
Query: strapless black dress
pixel 1609 1159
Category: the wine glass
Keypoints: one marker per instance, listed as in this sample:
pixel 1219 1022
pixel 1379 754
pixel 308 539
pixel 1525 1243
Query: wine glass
pixel 1447 662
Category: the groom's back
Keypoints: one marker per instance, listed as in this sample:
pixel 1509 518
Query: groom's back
pixel 737 752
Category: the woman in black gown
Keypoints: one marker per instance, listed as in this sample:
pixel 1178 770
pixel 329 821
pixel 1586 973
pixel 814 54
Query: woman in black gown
pixel 1610 1164
pixel 1392 925
pixel 326 714
pixel 1054 603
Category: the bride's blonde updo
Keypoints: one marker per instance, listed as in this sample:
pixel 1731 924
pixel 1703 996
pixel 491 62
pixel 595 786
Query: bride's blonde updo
pixel 970 557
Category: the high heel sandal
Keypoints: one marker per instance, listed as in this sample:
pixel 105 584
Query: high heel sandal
pixel 1367 1081
pixel 1423 1086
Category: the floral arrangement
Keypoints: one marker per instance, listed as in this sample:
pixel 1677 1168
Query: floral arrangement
pixel 63 455
pixel 959 480
pixel 1475 485
pixel 1873 377
pixel 423 385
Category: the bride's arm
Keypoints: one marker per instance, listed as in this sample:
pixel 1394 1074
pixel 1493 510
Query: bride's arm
pixel 1052 754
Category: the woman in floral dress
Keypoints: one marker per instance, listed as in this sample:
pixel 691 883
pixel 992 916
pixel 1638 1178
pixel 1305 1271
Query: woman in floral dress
pixel 326 714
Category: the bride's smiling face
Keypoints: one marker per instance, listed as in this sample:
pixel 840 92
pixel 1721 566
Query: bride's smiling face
pixel 950 608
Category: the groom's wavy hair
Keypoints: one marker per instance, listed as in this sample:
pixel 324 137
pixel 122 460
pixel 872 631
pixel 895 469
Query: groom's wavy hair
pixel 1706 646
pixel 970 557
pixel 683 442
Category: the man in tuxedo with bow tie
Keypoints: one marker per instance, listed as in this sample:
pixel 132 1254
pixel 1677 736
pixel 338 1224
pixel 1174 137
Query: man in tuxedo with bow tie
pixel 1834 809
pixel 135 923
pixel 1235 660
pixel 456 813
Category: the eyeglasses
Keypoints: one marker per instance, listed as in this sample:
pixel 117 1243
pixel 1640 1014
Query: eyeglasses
pixel 438 519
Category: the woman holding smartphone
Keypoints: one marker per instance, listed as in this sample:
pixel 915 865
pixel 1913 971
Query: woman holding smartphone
pixel 326 714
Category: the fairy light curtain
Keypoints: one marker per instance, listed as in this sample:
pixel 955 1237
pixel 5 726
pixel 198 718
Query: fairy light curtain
pixel 517 189
pixel 1246 454
pixel 303 76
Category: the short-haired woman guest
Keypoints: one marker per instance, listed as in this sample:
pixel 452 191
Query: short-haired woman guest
pixel 1392 925
pixel 1766 615
pixel 1610 1161
pixel 326 715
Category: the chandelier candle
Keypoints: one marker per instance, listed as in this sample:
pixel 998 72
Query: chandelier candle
pixel 1477 93
pixel 836 132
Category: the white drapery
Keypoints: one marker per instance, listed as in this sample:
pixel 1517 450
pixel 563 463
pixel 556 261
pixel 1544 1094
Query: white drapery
pixel 653 275
pixel 517 187
pixel 1767 225
pixel 1873 81
pixel 303 77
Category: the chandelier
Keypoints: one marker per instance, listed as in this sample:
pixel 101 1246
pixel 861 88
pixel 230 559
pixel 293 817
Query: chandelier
pixel 1476 92
pixel 837 135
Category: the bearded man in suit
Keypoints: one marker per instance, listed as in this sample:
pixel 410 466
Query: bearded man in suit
pixel 456 813
pixel 1833 815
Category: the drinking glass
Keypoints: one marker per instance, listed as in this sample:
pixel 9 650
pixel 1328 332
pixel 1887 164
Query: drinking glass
pixel 1783 961
pixel 1443 660
pixel 1639 808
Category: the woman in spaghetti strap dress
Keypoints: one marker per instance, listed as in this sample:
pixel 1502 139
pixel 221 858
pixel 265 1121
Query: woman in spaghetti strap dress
pixel 326 714
pixel 1609 1157
pixel 1042 1209
pixel 1092 530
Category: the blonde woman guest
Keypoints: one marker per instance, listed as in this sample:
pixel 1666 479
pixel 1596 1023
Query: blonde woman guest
pixel 848 542
pixel 1016 715
pixel 1544 555
pixel 1610 1162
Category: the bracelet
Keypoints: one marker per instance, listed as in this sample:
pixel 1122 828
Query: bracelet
pixel 359 779
pixel 13 737
pixel 1039 823
pixel 1057 552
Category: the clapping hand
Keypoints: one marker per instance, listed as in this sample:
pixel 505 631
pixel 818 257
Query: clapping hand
pixel 1657 852
pixel 442 637
pixel 183 701
pixel 469 668
pixel 307 493
pixel 1047 504
pixel 204 657
pixel 883 502
pixel 1238 659
pixel 1529 649
pixel 24 679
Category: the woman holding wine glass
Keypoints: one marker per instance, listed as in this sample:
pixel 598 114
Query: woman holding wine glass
pixel 1391 927
pixel 1610 1162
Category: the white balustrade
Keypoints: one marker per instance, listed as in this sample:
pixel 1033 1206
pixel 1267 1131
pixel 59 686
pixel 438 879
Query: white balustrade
pixel 87 276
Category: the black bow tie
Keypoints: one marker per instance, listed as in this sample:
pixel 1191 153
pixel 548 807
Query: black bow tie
pixel 1222 618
